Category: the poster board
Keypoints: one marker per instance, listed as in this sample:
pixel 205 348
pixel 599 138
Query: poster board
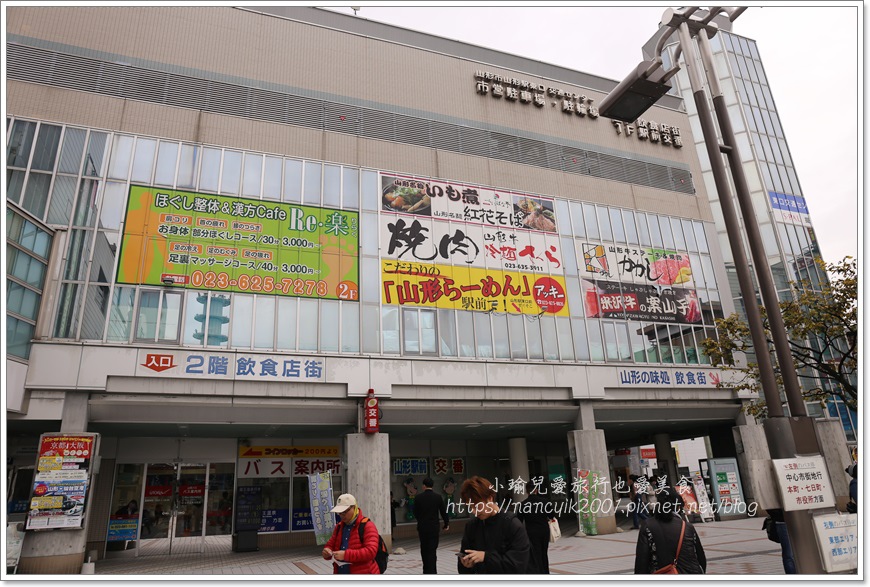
pixel 837 536
pixel 62 480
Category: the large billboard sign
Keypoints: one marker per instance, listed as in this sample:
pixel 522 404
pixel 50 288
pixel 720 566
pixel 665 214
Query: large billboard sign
pixel 451 245
pixel 232 244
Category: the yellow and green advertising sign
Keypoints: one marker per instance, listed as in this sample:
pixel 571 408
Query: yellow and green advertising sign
pixel 232 244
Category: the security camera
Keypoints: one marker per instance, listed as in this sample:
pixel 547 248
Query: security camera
pixel 168 280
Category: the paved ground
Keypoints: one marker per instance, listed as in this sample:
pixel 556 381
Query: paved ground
pixel 736 547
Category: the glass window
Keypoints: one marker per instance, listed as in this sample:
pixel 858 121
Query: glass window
pixel 630 228
pixel 643 230
pixel 45 152
pixel 332 186
pixel 209 173
pixel 311 189
pixel 36 194
pixel 95 153
pixel 60 208
pixel 679 351
pixel 447 332
pixel 68 311
pixel 371 196
pixel 121 157
pixel 187 164
pixel 286 323
pixel 71 153
pixel 637 341
pixel 370 287
pixel 566 345
pixel 371 328
pixel 264 322
pixel 195 314
pixel 167 161
pixel 616 225
pixel 143 159
pixel 591 221
pixel 533 337
pixel 14 183
pixel 428 332
pixel 77 254
pixel 308 319
pixel 94 316
pixel 18 336
pixel 272 178
pixel 86 204
pixel 105 252
pixel 390 326
pixel 581 344
pixel 329 326
pixel 121 314
pixel 596 346
pixel 667 234
pixel 253 175
pixel 34 239
pixel 242 321
pixel 610 344
pixel 689 234
pixel 24 267
pixel 218 320
pixel 466 335
pixel 577 220
pixel 231 173
pixel 114 203
pixel 170 317
pixel 550 337
pixel 22 301
pixel 604 223
pixel 701 237
pixel 679 240
pixel 350 188
pixel 569 255
pixel 292 181
pixel 349 328
pixel 562 215
pixel 623 346
pixel 410 331
pixel 484 326
pixel 20 142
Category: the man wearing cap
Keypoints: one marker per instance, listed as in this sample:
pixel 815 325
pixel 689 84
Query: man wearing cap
pixel 349 554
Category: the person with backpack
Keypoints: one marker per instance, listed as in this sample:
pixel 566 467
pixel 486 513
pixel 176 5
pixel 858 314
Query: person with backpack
pixel 495 542
pixel 667 543
pixel 355 543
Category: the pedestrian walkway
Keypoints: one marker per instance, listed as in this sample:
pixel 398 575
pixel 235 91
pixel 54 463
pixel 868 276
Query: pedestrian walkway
pixel 737 547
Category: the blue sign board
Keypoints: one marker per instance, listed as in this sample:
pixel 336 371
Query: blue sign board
pixel 789 203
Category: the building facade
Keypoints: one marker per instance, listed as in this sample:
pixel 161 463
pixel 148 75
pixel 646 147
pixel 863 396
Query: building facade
pixel 779 202
pixel 226 225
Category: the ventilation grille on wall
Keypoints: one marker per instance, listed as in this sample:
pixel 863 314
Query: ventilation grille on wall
pixel 40 66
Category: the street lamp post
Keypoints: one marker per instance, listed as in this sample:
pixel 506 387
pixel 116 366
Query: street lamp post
pixel 623 104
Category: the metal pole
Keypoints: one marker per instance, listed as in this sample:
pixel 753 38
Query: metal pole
pixel 756 246
pixel 732 226
pixel 777 428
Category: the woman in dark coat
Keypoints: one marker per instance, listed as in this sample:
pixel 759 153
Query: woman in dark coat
pixel 659 536
pixel 495 542
pixel 536 515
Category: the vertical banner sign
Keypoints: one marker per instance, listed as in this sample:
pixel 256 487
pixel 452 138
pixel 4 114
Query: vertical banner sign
pixel 320 495
pixel 60 486
pixel 371 414
pixel 704 508
pixel 586 496
pixel 230 244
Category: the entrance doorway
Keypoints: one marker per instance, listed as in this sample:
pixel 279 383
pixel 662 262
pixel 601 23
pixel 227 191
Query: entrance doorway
pixel 185 508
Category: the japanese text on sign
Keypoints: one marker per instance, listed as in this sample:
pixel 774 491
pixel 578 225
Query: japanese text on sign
pixel 411 466
pixel 803 483
pixel 210 242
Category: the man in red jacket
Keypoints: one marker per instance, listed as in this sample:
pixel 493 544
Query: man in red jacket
pixel 349 554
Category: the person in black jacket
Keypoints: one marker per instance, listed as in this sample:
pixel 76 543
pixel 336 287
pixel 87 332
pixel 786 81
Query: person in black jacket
pixel 427 507
pixel 659 536
pixel 535 514
pixel 495 542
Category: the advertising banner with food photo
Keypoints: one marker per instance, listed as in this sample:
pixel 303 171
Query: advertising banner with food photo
pixel 464 203
pixel 60 485
pixel 205 241
pixel 413 239
pixel 632 264
pixel 607 299
pixel 471 288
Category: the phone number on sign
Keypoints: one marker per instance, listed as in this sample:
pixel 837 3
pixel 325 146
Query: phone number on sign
pixel 268 284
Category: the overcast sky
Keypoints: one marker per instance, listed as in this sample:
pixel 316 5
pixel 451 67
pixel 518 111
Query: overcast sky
pixel 813 71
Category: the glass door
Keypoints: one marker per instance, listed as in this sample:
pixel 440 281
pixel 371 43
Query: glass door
pixel 173 511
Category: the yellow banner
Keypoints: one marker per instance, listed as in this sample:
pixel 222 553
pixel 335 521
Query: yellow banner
pixel 51 502
pixel 256 452
pixel 471 288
